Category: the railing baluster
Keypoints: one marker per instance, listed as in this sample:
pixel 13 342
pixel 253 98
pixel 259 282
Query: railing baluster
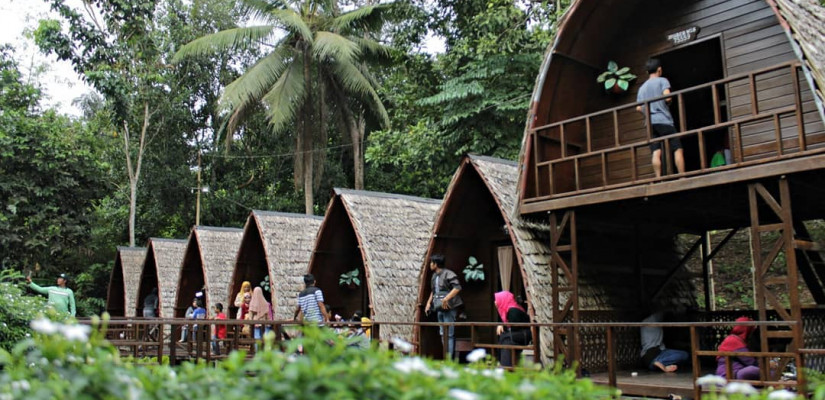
pixel 589 138
pixel 535 151
pixel 694 345
pixel 716 116
pixel 754 98
pixel 616 127
pixel 549 178
pixel 703 159
pixel 633 173
pixel 777 128
pixel 576 172
pixel 682 112
pixel 604 168
pixel 739 149
pixel 611 358
pixel 800 122
pixel 563 142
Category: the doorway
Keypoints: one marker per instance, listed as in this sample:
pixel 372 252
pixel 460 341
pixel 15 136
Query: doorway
pixel 689 66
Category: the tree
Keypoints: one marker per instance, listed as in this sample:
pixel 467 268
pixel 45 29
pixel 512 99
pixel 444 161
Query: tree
pixel 50 178
pixel 312 67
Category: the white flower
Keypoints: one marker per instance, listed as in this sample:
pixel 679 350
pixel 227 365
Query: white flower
pixel 497 373
pixel 711 380
pixel 76 332
pixel 410 364
pixel 449 373
pixel 44 326
pixel 22 385
pixel 476 355
pixel 741 388
pixel 460 394
pixel 402 345
pixel 781 395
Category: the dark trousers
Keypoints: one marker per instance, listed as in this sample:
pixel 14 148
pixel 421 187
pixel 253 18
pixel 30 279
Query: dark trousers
pixel 517 337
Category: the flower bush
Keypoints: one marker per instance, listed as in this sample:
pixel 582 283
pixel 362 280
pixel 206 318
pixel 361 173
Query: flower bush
pixel 64 361
pixel 17 309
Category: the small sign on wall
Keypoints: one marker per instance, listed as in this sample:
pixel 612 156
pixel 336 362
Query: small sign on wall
pixel 683 35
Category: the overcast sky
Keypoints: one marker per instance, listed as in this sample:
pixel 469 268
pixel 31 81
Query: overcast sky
pixel 60 83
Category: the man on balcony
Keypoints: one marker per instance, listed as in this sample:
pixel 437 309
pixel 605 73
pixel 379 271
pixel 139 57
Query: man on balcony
pixel 661 122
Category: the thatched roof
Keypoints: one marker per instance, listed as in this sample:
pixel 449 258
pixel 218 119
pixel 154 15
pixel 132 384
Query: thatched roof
pixel 217 249
pixel 392 231
pixel 804 21
pixel 129 262
pixel 288 240
pixel 167 256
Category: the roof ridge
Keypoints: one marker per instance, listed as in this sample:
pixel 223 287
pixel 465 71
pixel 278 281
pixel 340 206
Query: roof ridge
pixel 130 248
pixel 286 214
pixel 217 228
pixel 492 159
pixel 342 191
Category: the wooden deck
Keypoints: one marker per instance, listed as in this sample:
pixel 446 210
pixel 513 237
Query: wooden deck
pixel 650 383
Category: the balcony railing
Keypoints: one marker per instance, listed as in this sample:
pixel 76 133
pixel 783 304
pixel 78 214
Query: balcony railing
pixel 608 149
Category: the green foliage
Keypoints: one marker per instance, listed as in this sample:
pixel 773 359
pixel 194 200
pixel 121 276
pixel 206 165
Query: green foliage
pixel 349 278
pixel 473 271
pixel 330 370
pixel 616 76
pixel 17 309
pixel 50 175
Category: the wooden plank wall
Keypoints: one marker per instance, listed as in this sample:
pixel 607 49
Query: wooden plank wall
pixel 751 39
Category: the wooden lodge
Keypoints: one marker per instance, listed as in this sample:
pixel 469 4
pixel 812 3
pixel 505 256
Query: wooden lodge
pixel 123 281
pixel 208 264
pixel 382 236
pixel 275 245
pixel 746 79
pixel 161 270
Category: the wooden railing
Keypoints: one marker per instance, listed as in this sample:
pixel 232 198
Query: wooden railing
pixel 572 153
pixel 133 338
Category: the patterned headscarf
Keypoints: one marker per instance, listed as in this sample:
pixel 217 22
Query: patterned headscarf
pixel 259 306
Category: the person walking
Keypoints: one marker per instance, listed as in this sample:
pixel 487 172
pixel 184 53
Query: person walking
pixel 444 298
pixel 511 312
pixel 311 303
pixel 661 121
pixel 61 298
pixel 219 333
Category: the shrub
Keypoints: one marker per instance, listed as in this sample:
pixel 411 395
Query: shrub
pixel 17 309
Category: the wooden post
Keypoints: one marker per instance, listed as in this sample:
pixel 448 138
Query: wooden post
pixel 611 358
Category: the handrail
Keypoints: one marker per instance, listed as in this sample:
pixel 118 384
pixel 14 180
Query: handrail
pixel 579 183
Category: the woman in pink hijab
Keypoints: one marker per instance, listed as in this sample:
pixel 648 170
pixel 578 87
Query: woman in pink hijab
pixel 510 312
pixel 259 309
pixel 742 367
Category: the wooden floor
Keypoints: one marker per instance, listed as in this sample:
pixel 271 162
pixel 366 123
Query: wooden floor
pixel 652 384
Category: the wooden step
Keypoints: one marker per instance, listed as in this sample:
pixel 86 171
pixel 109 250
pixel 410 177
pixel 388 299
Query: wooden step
pixel 808 245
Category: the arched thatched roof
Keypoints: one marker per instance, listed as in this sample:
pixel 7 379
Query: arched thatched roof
pixel 166 256
pixel 208 261
pixel 285 242
pixel 123 282
pixel 805 23
pixel 391 232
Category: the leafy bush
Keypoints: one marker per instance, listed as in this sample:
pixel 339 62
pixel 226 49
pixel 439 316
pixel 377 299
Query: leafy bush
pixel 50 366
pixel 17 309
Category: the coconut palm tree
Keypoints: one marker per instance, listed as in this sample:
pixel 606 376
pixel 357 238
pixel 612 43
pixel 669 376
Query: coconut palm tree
pixel 313 63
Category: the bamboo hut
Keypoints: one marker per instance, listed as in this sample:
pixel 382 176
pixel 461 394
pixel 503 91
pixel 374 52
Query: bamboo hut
pixel 161 270
pixel 383 237
pixel 207 264
pixel 278 246
pixel 746 84
pixel 123 281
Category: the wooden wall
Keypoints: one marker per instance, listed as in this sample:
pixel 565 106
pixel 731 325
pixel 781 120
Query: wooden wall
pixel 750 37
pixel 337 251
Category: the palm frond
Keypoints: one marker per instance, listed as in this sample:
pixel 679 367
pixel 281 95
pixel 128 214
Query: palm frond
pixel 332 46
pixel 257 80
pixel 372 47
pixel 224 40
pixel 260 9
pixel 365 18
pixel 286 95
pixel 292 22
pixel 354 82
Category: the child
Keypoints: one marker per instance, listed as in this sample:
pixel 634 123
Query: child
pixel 219 331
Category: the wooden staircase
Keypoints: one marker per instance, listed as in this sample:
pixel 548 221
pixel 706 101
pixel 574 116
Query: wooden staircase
pixel 810 261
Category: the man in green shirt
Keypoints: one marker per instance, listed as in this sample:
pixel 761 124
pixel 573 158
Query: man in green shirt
pixel 61 298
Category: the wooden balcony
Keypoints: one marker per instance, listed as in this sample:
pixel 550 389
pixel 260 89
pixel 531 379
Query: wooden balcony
pixel 766 119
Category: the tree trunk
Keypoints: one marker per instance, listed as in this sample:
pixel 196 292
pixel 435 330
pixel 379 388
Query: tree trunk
pixel 308 156
pixel 134 172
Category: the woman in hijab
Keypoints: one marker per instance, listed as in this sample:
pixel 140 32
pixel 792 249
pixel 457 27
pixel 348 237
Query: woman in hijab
pixel 258 310
pixel 745 368
pixel 510 312
pixel 246 287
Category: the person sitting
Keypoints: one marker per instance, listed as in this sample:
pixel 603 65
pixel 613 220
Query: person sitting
pixel 184 336
pixel 742 367
pixel 510 311
pixel 655 356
